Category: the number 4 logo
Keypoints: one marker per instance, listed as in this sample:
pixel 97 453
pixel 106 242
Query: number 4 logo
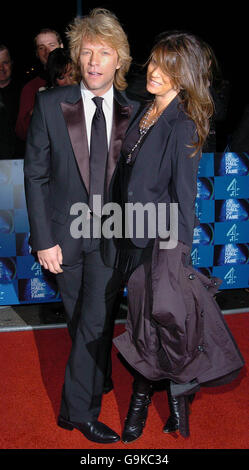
pixel 233 188
pixel 233 233
pixel 230 277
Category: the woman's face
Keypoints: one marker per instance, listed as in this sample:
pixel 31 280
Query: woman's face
pixel 158 82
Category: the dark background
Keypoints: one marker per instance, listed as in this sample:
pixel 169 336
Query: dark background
pixel 223 27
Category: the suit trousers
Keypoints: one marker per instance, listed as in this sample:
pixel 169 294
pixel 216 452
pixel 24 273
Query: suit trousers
pixel 89 290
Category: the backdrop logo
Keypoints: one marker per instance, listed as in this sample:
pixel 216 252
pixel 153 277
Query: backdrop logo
pixel 233 233
pixel 231 163
pixel 195 257
pixel 230 277
pixel 36 269
pixel 233 209
pixel 233 188
pixel 231 253
pixel 37 288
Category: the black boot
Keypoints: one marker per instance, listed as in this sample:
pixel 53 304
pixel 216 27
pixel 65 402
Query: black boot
pixel 179 414
pixel 172 423
pixel 137 414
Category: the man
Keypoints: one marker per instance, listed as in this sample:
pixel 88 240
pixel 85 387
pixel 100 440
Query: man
pixel 10 89
pixel 66 163
pixel 45 41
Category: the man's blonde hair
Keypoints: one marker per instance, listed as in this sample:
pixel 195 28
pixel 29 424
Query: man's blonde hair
pixel 100 25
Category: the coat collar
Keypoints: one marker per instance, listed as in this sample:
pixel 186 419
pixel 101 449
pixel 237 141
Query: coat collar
pixel 172 111
pixel 73 111
pixel 169 114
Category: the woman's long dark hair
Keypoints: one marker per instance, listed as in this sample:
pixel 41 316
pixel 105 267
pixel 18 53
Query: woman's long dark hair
pixel 181 56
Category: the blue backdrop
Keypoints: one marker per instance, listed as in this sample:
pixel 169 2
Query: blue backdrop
pixel 220 246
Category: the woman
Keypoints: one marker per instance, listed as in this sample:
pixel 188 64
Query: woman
pixel 175 330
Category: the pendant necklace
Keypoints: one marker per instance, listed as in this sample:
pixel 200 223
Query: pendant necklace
pixel 143 129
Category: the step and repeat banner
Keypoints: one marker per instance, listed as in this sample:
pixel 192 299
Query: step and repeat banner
pixel 221 241
pixel 220 246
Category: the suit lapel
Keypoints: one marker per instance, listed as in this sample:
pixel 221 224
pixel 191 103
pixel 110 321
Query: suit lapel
pixel 74 116
pixel 75 121
pixel 121 117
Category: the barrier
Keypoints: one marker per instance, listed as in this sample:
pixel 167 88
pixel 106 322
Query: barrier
pixel 220 245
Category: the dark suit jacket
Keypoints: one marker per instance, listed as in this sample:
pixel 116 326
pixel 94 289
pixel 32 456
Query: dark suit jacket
pixel 163 172
pixel 56 166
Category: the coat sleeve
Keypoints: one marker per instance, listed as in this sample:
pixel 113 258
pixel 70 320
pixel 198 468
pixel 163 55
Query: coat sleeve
pixel 37 179
pixel 184 178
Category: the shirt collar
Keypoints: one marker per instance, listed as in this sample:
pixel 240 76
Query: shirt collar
pixel 87 94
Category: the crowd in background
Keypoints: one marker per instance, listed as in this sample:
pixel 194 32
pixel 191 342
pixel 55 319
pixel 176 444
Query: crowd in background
pixel 17 96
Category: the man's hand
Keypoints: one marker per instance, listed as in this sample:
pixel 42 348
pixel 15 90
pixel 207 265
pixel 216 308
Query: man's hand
pixel 51 259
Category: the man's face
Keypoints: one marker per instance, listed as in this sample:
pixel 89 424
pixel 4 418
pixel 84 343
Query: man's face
pixel 98 64
pixel 45 43
pixel 5 68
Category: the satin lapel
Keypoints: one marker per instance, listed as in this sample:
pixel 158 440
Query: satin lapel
pixel 75 121
pixel 121 117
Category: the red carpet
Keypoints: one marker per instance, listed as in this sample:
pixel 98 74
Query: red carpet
pixel 31 376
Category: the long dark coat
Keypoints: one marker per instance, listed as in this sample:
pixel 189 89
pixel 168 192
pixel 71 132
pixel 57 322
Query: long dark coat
pixel 176 330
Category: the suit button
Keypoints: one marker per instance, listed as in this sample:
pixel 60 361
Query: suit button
pixel 191 276
pixel 200 348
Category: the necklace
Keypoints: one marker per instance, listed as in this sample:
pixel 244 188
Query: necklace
pixel 143 129
pixel 144 126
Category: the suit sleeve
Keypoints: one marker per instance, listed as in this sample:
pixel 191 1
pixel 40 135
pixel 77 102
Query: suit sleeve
pixel 37 178
pixel 184 179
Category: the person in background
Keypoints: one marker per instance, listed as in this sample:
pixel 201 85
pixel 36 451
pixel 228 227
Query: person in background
pixel 59 68
pixel 10 90
pixel 45 41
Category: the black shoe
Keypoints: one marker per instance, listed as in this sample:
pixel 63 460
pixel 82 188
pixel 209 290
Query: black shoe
pixel 108 385
pixel 136 417
pixel 93 430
